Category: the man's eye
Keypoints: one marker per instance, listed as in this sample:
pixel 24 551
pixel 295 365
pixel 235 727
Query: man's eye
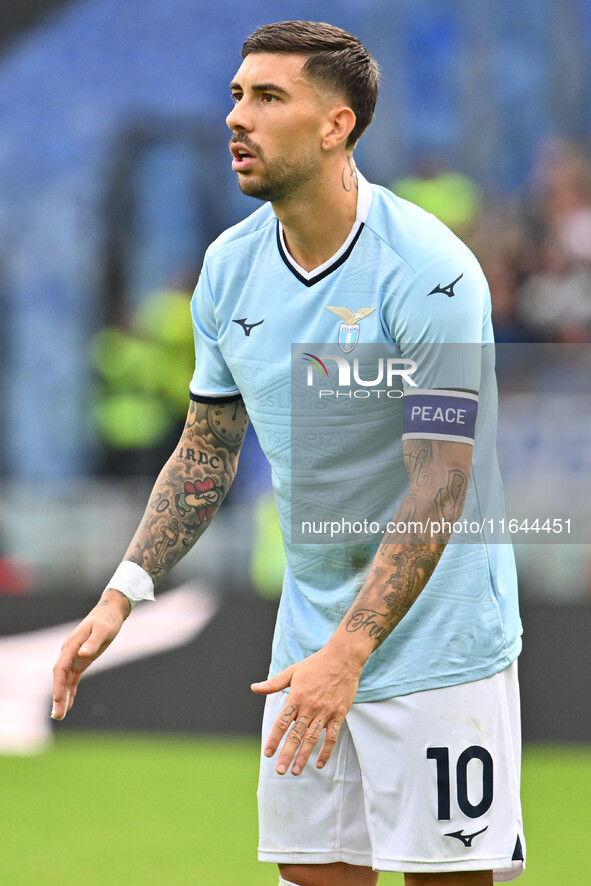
pixel 269 98
pixel 236 96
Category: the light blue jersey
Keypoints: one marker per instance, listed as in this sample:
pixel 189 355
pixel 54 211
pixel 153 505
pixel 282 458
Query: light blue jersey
pixel 404 281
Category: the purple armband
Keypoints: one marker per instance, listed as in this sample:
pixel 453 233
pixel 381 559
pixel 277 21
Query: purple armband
pixel 440 415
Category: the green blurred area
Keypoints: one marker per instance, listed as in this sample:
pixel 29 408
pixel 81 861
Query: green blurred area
pixel 148 811
pixel 142 372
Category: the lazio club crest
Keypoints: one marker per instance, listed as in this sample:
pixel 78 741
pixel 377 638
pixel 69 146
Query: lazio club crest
pixel 349 329
pixel 348 337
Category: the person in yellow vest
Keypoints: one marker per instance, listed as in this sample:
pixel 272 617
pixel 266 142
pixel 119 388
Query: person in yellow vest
pixel 140 397
pixel 449 195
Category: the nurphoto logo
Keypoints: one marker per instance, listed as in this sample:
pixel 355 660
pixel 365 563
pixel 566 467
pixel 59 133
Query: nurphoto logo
pixel 388 372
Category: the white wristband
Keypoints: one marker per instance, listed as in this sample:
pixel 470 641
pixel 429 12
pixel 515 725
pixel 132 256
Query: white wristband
pixel 133 581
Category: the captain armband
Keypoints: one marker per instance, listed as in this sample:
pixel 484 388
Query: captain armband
pixel 440 415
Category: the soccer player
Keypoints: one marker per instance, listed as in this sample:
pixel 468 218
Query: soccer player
pixel 391 734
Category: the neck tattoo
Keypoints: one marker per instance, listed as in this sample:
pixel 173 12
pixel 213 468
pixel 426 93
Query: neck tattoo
pixel 349 177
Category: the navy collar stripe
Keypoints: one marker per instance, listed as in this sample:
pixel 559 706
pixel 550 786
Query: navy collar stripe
pixel 333 267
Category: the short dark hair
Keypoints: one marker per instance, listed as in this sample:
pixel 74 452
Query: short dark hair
pixel 335 59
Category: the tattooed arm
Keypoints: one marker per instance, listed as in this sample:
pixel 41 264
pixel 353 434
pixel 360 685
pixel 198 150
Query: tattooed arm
pixel 191 486
pixel 438 473
pixel 185 497
pixel 323 686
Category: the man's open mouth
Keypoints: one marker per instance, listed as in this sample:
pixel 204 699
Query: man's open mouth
pixel 243 158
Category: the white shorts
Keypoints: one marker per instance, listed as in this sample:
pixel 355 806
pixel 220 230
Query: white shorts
pixel 422 783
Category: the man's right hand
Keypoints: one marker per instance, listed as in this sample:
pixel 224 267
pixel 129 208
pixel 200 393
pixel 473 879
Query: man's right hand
pixel 84 645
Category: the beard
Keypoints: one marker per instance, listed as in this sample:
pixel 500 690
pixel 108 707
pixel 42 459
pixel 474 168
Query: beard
pixel 279 179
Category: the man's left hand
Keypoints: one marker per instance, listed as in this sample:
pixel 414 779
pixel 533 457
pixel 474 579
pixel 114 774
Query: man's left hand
pixel 321 691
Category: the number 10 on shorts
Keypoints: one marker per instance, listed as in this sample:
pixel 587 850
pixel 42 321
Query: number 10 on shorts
pixel 473 753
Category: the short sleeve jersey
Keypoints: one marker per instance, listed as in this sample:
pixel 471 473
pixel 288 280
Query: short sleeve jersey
pixel 408 282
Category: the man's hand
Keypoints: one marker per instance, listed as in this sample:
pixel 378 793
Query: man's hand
pixel 321 692
pixel 84 645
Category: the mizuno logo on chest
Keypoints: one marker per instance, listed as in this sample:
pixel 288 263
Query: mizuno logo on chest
pixel 247 327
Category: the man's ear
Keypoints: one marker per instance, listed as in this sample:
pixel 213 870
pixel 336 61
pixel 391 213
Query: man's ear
pixel 340 124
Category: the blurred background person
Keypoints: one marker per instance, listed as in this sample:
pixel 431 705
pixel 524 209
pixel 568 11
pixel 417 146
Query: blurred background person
pixel 139 403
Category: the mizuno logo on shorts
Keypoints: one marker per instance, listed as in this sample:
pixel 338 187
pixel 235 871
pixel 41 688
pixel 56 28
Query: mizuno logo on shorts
pixel 466 839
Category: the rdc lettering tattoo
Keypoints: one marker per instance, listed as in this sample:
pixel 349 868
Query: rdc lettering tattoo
pixel 190 487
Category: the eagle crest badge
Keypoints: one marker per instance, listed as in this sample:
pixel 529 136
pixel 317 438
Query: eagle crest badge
pixel 349 328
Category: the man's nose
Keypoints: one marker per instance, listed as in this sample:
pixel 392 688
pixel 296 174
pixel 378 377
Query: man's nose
pixel 238 118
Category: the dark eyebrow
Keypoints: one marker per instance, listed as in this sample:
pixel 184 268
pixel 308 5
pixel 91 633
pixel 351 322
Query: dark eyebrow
pixel 261 87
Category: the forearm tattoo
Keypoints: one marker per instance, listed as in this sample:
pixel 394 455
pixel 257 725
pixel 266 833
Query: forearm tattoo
pixel 406 561
pixel 190 487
